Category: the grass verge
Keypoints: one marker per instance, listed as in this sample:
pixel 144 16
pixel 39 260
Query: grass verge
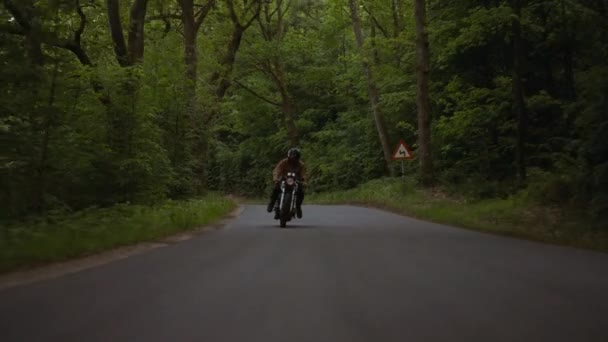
pixel 511 216
pixel 58 238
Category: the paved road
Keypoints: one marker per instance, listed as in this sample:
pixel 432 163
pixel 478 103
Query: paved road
pixel 341 274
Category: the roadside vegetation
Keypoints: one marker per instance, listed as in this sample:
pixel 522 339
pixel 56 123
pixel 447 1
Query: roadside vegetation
pixel 125 105
pixel 60 236
pixel 518 215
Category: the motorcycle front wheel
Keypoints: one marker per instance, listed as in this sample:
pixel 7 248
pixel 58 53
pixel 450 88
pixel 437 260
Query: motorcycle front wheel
pixel 285 213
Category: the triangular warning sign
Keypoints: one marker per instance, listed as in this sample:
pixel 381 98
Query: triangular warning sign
pixel 402 152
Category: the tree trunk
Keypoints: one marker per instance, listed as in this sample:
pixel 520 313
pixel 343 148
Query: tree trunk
pixel 41 170
pixel 371 88
pixel 396 10
pixel 548 66
pixel 222 77
pixel 275 30
pixel 134 52
pixel 373 41
pixel 287 104
pixel 136 31
pixel 198 144
pixel 190 34
pixel 519 110
pixel 568 55
pixel 192 22
pixel 118 38
pixel 422 96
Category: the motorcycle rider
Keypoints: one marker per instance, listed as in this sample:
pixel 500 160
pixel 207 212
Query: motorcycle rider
pixel 290 164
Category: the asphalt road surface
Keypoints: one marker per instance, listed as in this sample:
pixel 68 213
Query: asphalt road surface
pixel 340 274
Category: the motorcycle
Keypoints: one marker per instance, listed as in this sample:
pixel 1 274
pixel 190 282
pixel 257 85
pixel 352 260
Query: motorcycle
pixel 286 207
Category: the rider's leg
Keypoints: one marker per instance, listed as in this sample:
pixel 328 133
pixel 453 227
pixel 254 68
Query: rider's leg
pixel 273 198
pixel 299 200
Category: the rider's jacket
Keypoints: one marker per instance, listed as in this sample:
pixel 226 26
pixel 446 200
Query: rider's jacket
pixel 284 167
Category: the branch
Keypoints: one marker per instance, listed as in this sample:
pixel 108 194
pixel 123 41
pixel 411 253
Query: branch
pixel 269 16
pixel 384 32
pixel 287 8
pixel 264 30
pixel 49 38
pixel 274 76
pixel 164 17
pixel 256 94
pixel 256 15
pixel 202 14
pixel 83 22
pixel 233 16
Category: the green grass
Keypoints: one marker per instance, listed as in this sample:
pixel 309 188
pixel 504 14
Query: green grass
pixel 59 238
pixel 512 216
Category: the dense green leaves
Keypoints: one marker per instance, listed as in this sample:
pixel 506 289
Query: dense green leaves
pixel 80 130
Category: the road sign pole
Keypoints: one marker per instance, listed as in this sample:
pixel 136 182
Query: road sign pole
pixel 403 170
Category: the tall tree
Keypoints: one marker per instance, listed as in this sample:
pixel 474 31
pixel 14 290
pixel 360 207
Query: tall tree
pixel 422 96
pixel 133 53
pixel 374 95
pixel 192 21
pixel 39 35
pixel 518 104
pixel 274 27
pixel 240 23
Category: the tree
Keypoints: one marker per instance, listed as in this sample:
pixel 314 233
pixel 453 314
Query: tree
pixel 240 23
pixel 192 21
pixel 273 28
pixel 372 90
pixel 422 97
pixel 128 55
pixel 519 109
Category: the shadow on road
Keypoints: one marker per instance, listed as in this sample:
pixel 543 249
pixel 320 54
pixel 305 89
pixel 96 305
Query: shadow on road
pixel 289 226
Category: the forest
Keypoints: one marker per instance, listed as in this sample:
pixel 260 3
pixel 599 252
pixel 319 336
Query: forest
pixel 141 101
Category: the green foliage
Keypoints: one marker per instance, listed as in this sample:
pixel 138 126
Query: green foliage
pixel 78 134
pixel 59 236
pixel 514 216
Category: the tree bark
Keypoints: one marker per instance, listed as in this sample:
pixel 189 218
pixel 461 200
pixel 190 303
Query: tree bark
pixel 41 170
pixel 136 30
pixel 118 39
pixel 192 22
pixel 518 107
pixel 190 34
pixel 422 96
pixel 288 105
pixel 373 93
pixel 134 52
pixel 222 78
pixel 275 69
pixel 396 10
pixel 568 55
pixel 197 136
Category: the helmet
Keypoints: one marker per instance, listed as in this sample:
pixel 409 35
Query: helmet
pixel 293 154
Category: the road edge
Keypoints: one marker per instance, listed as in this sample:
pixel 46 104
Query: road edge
pixel 58 269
